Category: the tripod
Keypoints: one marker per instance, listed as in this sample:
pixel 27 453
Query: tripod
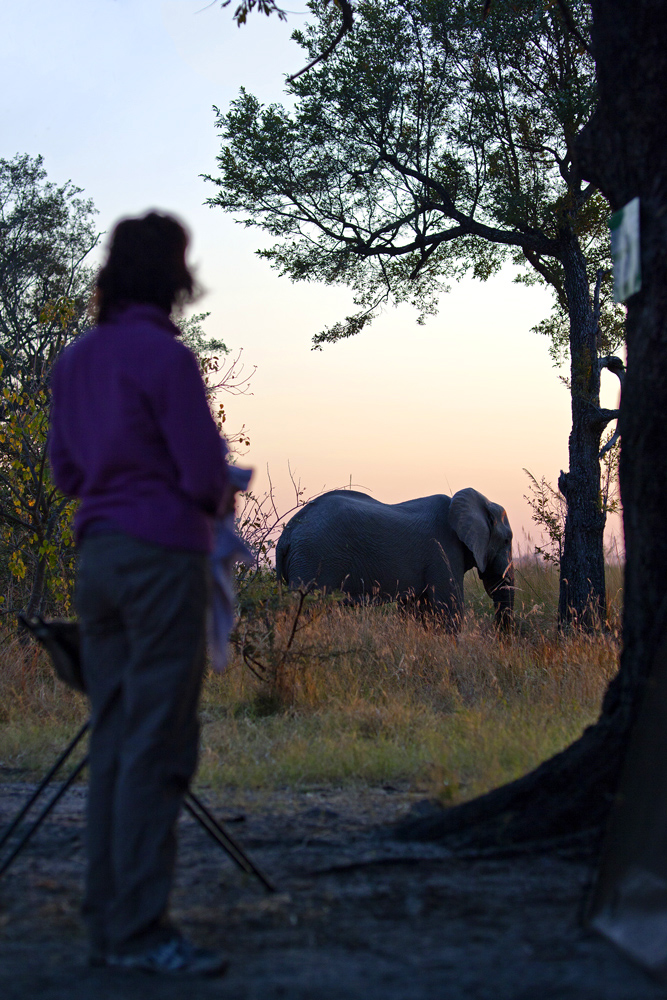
pixel 61 641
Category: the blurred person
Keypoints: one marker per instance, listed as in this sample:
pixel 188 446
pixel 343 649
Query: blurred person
pixel 133 438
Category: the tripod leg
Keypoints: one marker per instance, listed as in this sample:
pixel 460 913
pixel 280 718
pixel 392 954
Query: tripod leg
pixel 42 816
pixel 215 830
pixel 44 782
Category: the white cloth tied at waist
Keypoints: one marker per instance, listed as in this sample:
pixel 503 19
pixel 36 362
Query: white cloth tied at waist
pixel 228 549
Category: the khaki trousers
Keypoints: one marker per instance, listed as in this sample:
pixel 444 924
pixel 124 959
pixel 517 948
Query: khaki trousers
pixel 142 613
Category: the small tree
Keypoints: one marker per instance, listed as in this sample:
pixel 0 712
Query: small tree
pixel 46 234
pixel 549 514
pixel 37 521
pixel 549 510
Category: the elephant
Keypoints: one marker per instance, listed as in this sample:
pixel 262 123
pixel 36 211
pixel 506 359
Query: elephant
pixel 416 551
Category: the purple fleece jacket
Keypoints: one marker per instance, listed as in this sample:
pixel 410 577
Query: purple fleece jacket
pixel 132 435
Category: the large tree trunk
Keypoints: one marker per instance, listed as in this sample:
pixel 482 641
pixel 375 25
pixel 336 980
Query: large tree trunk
pixel 582 584
pixel 36 599
pixel 624 151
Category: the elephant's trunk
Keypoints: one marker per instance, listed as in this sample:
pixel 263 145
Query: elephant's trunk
pixel 502 593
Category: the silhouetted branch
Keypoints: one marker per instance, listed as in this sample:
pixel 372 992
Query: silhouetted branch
pixel 616 366
pixel 348 15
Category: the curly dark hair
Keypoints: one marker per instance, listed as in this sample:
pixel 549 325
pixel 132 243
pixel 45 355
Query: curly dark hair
pixel 146 263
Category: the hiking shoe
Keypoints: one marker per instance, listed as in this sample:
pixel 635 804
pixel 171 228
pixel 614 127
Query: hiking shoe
pixel 176 957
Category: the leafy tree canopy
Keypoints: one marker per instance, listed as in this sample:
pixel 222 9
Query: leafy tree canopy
pixel 46 233
pixel 429 144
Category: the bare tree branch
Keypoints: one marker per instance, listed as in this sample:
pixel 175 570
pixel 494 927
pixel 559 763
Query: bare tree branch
pixel 616 366
pixel 348 16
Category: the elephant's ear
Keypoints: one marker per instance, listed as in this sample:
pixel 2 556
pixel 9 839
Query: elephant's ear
pixel 479 524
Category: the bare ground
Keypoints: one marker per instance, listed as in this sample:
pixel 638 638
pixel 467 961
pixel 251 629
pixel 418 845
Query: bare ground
pixel 357 915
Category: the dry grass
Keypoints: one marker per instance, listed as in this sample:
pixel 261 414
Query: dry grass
pixel 394 702
pixel 372 697
pixel 38 714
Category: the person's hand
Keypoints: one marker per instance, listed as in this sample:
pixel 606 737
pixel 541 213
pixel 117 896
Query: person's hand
pixel 228 502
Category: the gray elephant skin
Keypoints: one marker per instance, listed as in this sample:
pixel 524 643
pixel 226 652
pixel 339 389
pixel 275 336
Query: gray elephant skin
pixel 417 551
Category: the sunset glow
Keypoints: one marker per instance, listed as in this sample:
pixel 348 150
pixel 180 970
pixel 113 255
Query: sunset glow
pixel 117 96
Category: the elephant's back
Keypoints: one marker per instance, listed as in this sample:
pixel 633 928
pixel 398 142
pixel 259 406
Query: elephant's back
pixel 349 509
pixel 347 540
pixel 436 505
pixel 322 541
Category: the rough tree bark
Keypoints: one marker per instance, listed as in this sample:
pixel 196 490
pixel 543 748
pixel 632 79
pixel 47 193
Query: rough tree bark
pixel 624 151
pixel 582 595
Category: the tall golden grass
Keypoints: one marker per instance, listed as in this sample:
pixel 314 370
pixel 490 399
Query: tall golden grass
pixel 367 696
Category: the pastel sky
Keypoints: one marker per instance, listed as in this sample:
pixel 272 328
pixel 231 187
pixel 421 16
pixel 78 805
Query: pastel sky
pixel 117 96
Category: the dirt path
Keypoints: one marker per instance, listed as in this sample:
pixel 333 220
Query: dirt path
pixel 358 915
